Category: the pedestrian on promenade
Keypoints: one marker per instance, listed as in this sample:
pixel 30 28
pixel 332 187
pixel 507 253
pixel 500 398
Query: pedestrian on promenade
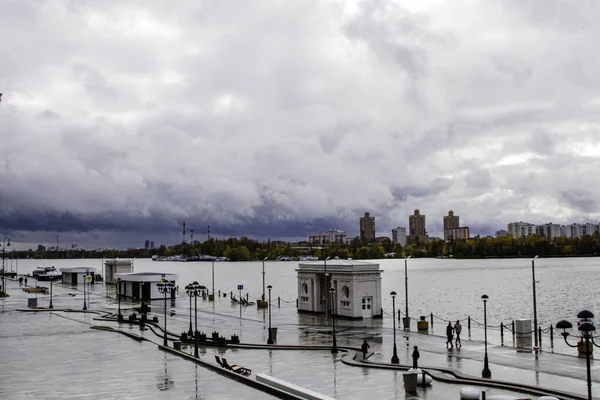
pixel 415 357
pixel 457 330
pixel 20 280
pixel 449 335
pixel 365 348
pixel 25 281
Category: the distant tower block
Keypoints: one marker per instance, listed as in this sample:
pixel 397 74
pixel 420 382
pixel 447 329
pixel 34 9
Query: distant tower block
pixel 184 232
pixel 209 232
pixel 191 236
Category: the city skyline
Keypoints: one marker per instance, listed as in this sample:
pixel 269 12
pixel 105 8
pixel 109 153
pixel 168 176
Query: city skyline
pixel 119 121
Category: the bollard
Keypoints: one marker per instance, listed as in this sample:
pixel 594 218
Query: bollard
pixel 431 318
pixel 219 293
pixel 501 334
pixel 247 297
pixel 483 395
pixel 398 315
pixel 278 302
pixel 469 325
pixel 551 337
pixel 540 336
pixel 296 303
pixel 513 331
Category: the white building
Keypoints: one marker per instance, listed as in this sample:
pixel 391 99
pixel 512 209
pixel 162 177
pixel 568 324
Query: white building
pixel 551 231
pixel 76 275
pixel 114 266
pixel 399 236
pixel 135 283
pixel 521 229
pixel 331 236
pixel 501 233
pixel 357 287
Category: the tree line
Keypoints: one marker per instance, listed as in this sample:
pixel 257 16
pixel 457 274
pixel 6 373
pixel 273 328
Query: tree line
pixel 245 249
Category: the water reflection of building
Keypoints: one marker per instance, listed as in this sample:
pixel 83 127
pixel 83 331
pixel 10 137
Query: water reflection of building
pixel 357 287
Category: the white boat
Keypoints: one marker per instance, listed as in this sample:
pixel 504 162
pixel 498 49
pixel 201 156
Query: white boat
pixel 309 258
pixel 222 259
pixel 47 274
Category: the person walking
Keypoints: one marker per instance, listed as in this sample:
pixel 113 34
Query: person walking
pixel 365 348
pixel 449 335
pixel 415 357
pixel 458 330
pixel 25 282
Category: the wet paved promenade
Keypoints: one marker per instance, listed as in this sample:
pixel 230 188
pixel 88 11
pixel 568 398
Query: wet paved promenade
pixel 53 355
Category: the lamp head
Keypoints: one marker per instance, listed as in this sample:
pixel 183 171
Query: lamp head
pixel 585 315
pixel 485 298
pixel 331 290
pixel 586 327
pixel 408 257
pixel 269 287
pixel 536 257
pixel 564 325
pixel 265 259
pixel 327 258
pixel 393 294
pixel 8 244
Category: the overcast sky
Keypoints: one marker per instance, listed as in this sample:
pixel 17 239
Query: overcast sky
pixel 122 119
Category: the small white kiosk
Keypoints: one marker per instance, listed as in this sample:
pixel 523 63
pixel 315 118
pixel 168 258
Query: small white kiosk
pixel 135 283
pixel 75 275
pixel 113 266
pixel 357 287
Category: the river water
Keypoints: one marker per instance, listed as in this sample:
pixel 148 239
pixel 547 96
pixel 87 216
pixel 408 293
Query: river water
pixel 450 289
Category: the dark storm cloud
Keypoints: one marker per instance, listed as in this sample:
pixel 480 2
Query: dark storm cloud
pixel 291 118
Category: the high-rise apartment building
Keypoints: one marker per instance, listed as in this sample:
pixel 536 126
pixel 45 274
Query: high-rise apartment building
pixel 152 244
pixel 147 244
pixel 399 236
pixel 451 221
pixel 367 228
pixel 416 226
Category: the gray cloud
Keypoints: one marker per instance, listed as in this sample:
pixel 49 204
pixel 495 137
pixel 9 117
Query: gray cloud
pixel 282 120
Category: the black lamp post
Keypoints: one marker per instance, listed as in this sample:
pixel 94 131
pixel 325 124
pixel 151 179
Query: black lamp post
pixel 193 290
pixel 188 288
pixel 51 279
pixel 326 284
pixel 142 318
pixel 119 315
pixel 407 323
pixel 84 296
pixel 586 327
pixel 165 288
pixel 486 373
pixel 263 274
pixel 535 322
pixel 5 242
pixel 395 359
pixel 270 339
pixel 334 348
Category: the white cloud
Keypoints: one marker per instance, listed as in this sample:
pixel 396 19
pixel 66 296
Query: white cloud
pixel 239 113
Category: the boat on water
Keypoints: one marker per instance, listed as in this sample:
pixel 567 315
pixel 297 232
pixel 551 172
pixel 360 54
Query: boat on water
pixel 284 258
pixel 177 258
pixel 202 257
pixel 222 259
pixel 308 258
pixel 47 274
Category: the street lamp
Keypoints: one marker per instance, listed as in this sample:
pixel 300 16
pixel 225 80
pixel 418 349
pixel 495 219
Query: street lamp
pixel 407 320
pixel 188 288
pixel 51 280
pixel 213 281
pixel 164 288
pixel 334 348
pixel 395 359
pixel 486 373
pixel 84 296
pixel 326 285
pixel 535 322
pixel 263 274
pixel 586 327
pixel 142 306
pixel 119 316
pixel 270 339
pixel 5 242
pixel 193 290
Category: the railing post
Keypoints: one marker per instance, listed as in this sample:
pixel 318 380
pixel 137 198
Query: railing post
pixel 540 335
pixel 551 337
pixel 513 331
pixel 502 333
pixel 431 319
pixel 278 302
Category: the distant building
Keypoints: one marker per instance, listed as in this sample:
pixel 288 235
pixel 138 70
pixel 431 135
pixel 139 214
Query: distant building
pixel 41 247
pixel 399 236
pixel 152 244
pixel 521 229
pixel 451 221
pixel 417 227
pixel 147 244
pixel 74 246
pixel 331 236
pixel 367 228
pixel 501 232
pixel 457 233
